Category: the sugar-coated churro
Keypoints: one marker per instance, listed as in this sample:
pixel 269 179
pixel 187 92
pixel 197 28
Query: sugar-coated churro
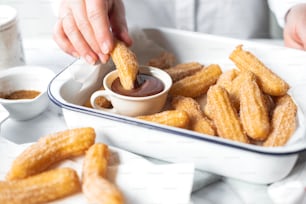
pixel 283 122
pixel 198 121
pixel 163 61
pixel 41 188
pixel 182 70
pixel 253 110
pixel 175 118
pixel 96 187
pixel 269 82
pixel 198 83
pixel 224 115
pixel 226 78
pixel 49 150
pixel 126 63
pixel 231 82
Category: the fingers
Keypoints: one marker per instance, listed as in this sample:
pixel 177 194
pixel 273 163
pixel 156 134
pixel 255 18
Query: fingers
pixel 77 40
pixel 86 28
pixel 291 40
pixel 62 40
pixel 118 22
pixel 295 27
pixel 97 13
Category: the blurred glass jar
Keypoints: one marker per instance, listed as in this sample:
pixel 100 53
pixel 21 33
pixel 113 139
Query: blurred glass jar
pixel 11 48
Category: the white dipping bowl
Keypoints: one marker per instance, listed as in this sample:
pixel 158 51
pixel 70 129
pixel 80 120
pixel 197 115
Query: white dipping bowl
pixel 25 78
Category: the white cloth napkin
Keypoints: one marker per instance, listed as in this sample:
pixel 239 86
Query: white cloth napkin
pixel 139 180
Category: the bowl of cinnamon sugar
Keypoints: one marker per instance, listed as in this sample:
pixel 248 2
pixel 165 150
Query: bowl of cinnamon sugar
pixel 23 91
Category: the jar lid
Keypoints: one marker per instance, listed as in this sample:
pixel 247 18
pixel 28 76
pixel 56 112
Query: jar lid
pixel 8 16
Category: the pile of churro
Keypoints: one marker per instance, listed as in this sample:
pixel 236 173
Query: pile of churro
pixel 248 103
pixel 32 178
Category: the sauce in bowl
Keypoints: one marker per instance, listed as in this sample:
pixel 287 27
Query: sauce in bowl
pixel 21 94
pixel 146 85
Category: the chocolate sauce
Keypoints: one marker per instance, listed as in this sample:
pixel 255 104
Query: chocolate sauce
pixel 146 85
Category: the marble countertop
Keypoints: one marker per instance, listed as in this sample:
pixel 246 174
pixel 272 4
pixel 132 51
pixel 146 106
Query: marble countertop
pixel 44 52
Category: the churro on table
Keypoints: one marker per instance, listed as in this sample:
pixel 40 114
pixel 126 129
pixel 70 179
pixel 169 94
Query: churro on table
pixel 51 149
pixel 41 182
pixel 41 188
pixel 96 187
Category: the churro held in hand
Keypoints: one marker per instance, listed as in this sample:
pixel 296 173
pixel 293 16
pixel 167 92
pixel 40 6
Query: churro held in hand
pixel 41 188
pixel 269 82
pixel 283 122
pixel 126 64
pixel 175 118
pixel 224 115
pixel 49 150
pixel 96 187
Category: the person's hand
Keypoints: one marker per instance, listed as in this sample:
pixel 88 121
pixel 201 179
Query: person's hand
pixel 86 28
pixel 295 27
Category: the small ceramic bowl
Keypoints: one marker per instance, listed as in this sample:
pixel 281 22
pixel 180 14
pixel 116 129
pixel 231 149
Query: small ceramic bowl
pixel 26 79
pixel 131 105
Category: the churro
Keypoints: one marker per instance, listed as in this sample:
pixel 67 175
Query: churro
pixel 126 64
pixel 283 122
pixel 182 70
pixel 49 150
pixel 96 187
pixel 198 121
pixel 198 83
pixel 232 83
pixel 226 78
pixel 224 115
pixel 175 118
pixel 269 82
pixel 253 110
pixel 163 61
pixel 41 188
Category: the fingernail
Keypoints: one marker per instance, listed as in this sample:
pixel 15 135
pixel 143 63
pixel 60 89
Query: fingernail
pixel 105 48
pixel 89 59
pixel 103 58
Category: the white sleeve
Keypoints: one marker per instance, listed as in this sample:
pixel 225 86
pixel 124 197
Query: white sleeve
pixel 281 7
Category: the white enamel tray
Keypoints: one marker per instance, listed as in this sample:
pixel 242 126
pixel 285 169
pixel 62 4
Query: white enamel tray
pixel 73 86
